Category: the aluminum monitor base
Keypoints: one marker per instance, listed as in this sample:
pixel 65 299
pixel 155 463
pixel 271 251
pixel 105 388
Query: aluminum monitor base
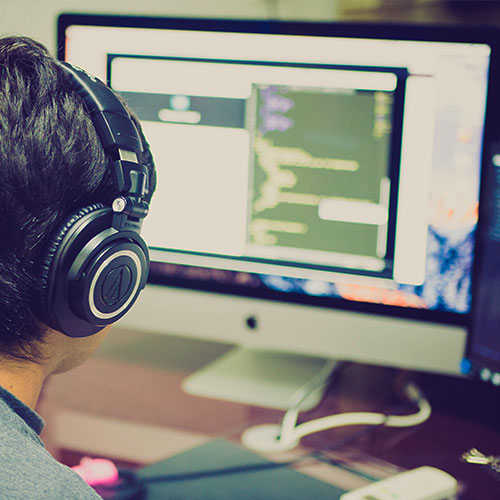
pixel 259 378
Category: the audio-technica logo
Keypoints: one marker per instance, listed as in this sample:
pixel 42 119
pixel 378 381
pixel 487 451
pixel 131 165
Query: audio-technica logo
pixel 116 285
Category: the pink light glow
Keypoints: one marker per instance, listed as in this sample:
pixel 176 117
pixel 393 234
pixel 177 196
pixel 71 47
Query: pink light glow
pixel 96 471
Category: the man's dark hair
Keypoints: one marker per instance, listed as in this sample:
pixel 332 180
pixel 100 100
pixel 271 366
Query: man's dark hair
pixel 51 163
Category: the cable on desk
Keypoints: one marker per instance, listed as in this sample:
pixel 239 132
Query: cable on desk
pixel 225 471
pixel 317 383
pixel 368 418
pixel 286 436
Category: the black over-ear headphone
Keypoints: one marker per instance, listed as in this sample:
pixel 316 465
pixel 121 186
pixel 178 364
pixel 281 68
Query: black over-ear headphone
pixel 96 263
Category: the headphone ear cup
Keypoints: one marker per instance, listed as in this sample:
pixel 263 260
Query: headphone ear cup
pixel 112 279
pixel 48 257
pixel 91 273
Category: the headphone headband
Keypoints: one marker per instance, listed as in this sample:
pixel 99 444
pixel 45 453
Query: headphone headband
pixel 121 141
pixel 112 121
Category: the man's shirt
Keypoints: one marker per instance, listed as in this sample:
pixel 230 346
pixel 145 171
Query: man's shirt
pixel 27 469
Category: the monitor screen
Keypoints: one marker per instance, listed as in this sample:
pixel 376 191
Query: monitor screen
pixel 331 169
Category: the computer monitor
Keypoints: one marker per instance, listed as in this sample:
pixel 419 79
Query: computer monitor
pixel 483 345
pixel 318 183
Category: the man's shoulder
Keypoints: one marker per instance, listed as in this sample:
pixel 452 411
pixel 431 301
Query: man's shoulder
pixel 28 470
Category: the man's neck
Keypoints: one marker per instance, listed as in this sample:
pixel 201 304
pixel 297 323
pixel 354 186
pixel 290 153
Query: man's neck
pixel 58 353
pixel 23 379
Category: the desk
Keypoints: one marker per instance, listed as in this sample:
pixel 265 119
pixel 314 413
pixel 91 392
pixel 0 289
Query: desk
pixel 247 477
pixel 126 403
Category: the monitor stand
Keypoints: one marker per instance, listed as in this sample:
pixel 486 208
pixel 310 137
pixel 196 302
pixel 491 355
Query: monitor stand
pixel 261 378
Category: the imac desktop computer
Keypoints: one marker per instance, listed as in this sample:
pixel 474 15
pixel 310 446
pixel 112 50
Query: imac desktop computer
pixel 318 185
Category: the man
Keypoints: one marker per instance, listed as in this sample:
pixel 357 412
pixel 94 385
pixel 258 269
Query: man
pixel 51 163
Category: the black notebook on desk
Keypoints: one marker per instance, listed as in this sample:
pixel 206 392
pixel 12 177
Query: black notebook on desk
pixel 220 470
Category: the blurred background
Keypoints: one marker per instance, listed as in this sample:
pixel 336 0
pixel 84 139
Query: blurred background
pixel 37 18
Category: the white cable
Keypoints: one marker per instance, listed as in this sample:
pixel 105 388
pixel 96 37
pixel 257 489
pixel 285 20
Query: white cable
pixel 367 418
pixel 318 382
pixel 288 435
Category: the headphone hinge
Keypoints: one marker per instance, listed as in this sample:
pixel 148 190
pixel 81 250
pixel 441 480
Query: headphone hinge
pixel 128 213
pixel 130 178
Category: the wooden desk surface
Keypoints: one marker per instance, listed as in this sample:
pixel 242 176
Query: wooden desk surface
pixel 127 404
